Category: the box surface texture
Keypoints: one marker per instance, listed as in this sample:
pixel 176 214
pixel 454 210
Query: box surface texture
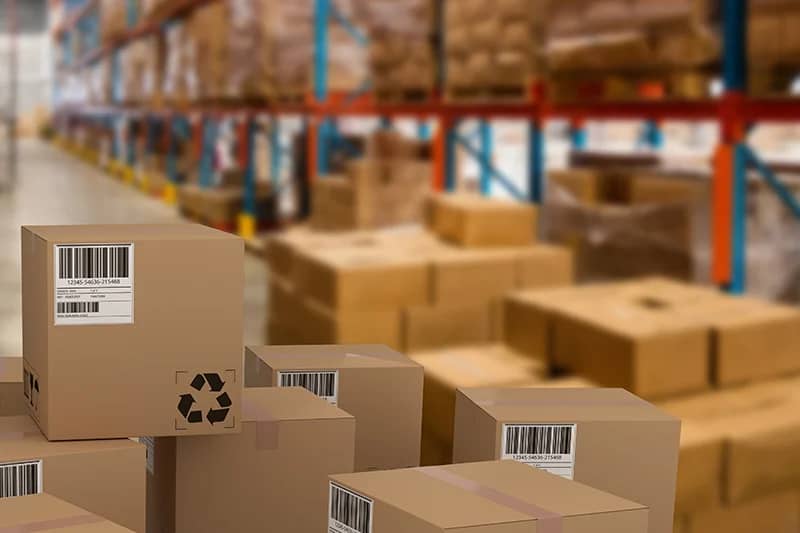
pixel 132 330
pixel 271 477
pixel 381 388
pixel 606 438
pixel 43 512
pixel 105 477
pixel 12 400
pixel 490 497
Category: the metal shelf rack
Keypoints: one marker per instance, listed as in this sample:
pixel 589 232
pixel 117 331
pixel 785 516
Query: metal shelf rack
pixel 734 112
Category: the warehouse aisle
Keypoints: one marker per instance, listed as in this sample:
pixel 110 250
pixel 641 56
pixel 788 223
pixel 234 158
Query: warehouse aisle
pixel 56 188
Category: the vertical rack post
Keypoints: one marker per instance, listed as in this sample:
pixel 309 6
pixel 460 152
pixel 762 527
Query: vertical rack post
pixel 450 163
pixel 423 130
pixel 248 220
pixel 578 134
pixel 730 172
pixel 319 127
pixel 536 178
pixel 275 154
pixel 485 130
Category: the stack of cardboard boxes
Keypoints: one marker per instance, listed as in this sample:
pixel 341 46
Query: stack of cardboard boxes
pixel 773 47
pixel 410 289
pixel 493 49
pixel 387 187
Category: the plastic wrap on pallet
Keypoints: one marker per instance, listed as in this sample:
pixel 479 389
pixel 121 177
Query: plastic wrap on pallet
pixel 141 63
pixel 179 76
pixel 620 241
pixel 113 20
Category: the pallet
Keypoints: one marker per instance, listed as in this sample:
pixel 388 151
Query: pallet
pixel 502 93
pixel 403 95
pixel 684 84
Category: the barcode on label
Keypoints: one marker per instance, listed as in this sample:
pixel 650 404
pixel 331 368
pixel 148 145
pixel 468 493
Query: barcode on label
pixel 538 440
pixel 323 384
pixel 20 479
pixel 349 512
pixel 90 262
pixel 78 307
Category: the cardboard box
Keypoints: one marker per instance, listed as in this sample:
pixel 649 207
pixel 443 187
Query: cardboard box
pixel 472 276
pixel 633 346
pixel 105 477
pixel 485 365
pixel 605 438
pixel 352 326
pixel 12 400
pixel 491 497
pixel 700 469
pixel 778 513
pixel 425 328
pixel 577 184
pixel 361 278
pixel 544 266
pixel 43 512
pixel 125 335
pixel 475 221
pixel 760 431
pixel 273 471
pixel 381 388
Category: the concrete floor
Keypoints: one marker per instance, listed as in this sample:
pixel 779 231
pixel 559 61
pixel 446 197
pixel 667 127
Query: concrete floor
pixel 55 188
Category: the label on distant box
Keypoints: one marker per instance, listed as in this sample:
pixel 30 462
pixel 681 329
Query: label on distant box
pixel 348 512
pixel 93 284
pixel 550 447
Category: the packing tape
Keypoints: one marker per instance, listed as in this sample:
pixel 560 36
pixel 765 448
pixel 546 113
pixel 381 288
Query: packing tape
pixel 56 523
pixel 546 521
pixel 267 426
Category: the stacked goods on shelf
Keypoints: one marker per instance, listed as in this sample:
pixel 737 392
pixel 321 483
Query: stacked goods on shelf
pixel 631 49
pixel 391 286
pixel 113 20
pixel 624 222
pixel 98 82
pixel 402 49
pixel 141 67
pixel 207 31
pixel 493 49
pixel 655 337
pixel 773 47
pixel 179 76
pixel 387 187
pixel 739 457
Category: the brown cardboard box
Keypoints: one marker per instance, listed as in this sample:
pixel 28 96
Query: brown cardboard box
pixel 606 438
pixel 474 221
pixel 489 365
pixel 491 497
pixel 425 328
pixel 544 265
pixel 632 345
pixel 43 512
pixel 12 400
pixel 761 435
pixel 273 471
pixel 578 184
pixel 361 278
pixel 778 513
pixel 163 358
pixel 700 469
pixel 321 325
pixel 381 388
pixel 106 477
pixel 472 276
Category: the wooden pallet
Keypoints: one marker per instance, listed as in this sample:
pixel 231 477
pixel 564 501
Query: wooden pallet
pixel 502 93
pixel 402 95
pixel 684 84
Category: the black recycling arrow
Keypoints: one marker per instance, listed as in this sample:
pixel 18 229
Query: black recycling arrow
pixel 215 382
pixel 198 382
pixel 223 400
pixel 217 415
pixel 185 405
pixel 195 417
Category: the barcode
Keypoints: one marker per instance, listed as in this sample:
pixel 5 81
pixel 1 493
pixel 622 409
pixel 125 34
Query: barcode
pixel 78 307
pixel 89 262
pixel 538 440
pixel 322 384
pixel 350 510
pixel 20 479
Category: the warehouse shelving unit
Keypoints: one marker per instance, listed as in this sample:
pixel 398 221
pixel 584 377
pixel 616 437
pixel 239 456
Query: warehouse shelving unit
pixel 734 112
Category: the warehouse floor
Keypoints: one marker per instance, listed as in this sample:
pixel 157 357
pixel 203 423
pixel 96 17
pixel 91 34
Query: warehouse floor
pixel 56 188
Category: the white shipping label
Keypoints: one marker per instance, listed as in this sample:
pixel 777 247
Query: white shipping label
pixel 93 284
pixel 348 512
pixel 20 479
pixel 324 384
pixel 550 447
pixel 149 444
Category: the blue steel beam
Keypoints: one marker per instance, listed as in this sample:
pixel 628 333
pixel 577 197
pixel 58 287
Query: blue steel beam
pixel 783 192
pixel 739 268
pixel 275 153
pixel 536 174
pixel 249 200
pixel 485 162
pixel 487 150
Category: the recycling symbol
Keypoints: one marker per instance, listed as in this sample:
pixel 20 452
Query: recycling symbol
pixel 210 383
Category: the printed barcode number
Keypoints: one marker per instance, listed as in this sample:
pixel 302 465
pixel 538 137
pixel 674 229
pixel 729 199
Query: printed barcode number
pixel 20 479
pixel 78 307
pixel 538 440
pixel 89 262
pixel 349 512
pixel 322 384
